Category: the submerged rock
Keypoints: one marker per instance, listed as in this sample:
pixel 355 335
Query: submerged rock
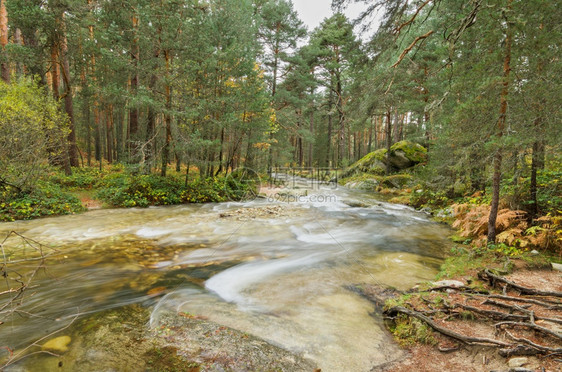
pixel 58 344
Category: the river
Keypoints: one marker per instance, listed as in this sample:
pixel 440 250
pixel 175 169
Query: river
pixel 277 268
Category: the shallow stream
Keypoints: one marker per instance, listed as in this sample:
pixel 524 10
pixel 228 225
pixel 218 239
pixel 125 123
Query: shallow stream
pixel 278 268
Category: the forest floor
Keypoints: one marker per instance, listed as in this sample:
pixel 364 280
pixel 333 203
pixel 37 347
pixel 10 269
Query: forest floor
pixel 479 309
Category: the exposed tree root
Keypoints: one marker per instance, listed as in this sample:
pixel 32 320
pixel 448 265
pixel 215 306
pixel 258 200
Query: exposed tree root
pixel 447 332
pixel 493 279
pixel 517 333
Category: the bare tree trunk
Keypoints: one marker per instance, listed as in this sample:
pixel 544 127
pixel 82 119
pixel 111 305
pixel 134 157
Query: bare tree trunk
pixel 4 67
pixel 310 154
pixel 167 119
pixel 109 133
pixel 388 140
pixel 329 134
pixel 536 164
pixel 134 111
pixel 68 103
pixel 150 122
pixel 496 180
pixel 18 40
pixel 221 152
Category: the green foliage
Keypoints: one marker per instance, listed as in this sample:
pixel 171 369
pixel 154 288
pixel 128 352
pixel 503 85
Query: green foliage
pixel 125 190
pixel 423 197
pixel 506 250
pixel 408 331
pixel 397 180
pixel 46 199
pixel 81 178
pixel 32 128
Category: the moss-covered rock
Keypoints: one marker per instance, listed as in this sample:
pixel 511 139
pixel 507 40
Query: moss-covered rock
pixel 397 180
pixel 370 184
pixel 372 163
pixel 405 154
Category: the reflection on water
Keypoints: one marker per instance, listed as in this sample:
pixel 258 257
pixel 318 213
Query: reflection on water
pixel 278 275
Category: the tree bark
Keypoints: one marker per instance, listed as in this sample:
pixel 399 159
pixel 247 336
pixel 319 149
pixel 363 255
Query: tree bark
pixel 68 103
pixel 388 140
pixel 167 118
pixel 109 133
pixel 536 164
pixel 134 111
pixel 500 129
pixel 4 66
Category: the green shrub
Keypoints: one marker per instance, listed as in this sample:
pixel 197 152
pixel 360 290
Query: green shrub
pixel 124 190
pixel 81 178
pixel 46 199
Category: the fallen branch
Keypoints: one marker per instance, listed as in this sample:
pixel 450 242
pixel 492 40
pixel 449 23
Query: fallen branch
pixel 492 279
pixel 447 332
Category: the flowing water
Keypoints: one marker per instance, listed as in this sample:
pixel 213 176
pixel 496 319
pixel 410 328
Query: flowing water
pixel 277 269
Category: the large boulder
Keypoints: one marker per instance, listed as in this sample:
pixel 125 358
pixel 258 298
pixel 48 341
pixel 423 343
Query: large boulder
pixel 403 154
pixel 372 163
pixel 406 154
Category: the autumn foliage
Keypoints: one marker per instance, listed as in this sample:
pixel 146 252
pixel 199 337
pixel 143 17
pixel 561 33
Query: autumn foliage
pixel 513 227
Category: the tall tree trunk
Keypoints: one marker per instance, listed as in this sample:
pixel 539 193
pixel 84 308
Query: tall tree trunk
pixel 87 119
pixel 149 139
pixel 536 164
pixel 167 118
pixel 310 154
pixel 4 66
pixel 151 121
pixel 132 137
pixel 60 148
pixel 99 136
pixel 341 117
pixel 54 72
pixel 18 40
pixel 68 103
pixel 273 92
pixel 221 152
pixel 388 140
pixel 496 179
pixel 329 134
pixel 109 133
